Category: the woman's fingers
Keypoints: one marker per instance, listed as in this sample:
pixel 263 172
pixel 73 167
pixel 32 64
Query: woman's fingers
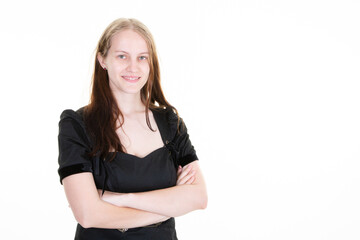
pixel 191 180
pixel 179 171
pixel 185 171
pixel 187 179
pixel 187 176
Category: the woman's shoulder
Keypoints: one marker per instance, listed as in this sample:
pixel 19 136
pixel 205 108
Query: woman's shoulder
pixel 72 124
pixel 169 120
pixel 73 114
pixel 169 112
pixel 166 115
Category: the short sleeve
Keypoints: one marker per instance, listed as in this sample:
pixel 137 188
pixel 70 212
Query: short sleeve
pixel 185 151
pixel 73 145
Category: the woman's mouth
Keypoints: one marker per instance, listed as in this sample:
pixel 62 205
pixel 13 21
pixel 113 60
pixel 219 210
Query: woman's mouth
pixel 131 79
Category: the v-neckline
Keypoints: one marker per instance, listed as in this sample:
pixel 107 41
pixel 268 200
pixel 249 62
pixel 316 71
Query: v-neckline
pixel 156 119
pixel 146 156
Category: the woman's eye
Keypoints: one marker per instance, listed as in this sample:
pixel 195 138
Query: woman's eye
pixel 122 56
pixel 142 58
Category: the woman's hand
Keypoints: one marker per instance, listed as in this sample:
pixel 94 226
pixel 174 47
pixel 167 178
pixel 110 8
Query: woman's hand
pixel 188 195
pixel 185 175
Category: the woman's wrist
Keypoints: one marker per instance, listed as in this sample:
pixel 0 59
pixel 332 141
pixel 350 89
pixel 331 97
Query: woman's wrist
pixel 117 199
pixel 127 199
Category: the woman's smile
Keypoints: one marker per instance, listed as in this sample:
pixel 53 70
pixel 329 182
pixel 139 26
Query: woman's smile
pixel 131 79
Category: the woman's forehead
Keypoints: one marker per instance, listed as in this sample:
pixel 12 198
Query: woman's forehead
pixel 128 41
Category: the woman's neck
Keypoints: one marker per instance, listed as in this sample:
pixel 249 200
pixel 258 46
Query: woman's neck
pixel 129 104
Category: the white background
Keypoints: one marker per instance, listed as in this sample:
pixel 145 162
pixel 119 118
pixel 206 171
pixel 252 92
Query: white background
pixel 269 91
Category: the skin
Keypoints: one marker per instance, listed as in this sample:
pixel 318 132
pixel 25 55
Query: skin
pixel 127 63
pixel 166 201
pixel 128 68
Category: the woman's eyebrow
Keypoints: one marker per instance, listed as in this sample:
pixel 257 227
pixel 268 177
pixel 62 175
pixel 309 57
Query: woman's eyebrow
pixel 121 51
pixel 128 53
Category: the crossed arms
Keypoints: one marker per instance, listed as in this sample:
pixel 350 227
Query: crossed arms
pixel 116 210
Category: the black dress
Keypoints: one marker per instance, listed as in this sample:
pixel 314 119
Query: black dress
pixel 126 173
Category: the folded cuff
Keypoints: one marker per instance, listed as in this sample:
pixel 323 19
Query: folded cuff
pixel 73 169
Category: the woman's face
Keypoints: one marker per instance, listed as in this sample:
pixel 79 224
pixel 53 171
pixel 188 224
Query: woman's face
pixel 127 62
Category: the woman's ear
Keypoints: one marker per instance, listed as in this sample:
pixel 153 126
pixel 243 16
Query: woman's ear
pixel 101 60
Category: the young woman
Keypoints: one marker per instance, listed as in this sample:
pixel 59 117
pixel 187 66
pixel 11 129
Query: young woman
pixel 125 160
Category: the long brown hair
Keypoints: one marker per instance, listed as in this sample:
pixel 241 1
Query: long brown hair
pixel 102 113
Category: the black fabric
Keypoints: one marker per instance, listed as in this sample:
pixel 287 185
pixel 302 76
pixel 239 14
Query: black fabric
pixel 166 231
pixel 126 173
pixel 74 145
pixel 175 136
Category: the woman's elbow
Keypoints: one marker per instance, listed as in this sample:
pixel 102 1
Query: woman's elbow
pixel 84 223
pixel 84 220
pixel 203 200
pixel 84 217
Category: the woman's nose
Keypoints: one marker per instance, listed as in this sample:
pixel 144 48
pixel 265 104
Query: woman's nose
pixel 132 65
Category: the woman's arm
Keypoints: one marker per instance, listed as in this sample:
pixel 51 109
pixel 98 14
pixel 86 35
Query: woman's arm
pixel 173 201
pixel 90 211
